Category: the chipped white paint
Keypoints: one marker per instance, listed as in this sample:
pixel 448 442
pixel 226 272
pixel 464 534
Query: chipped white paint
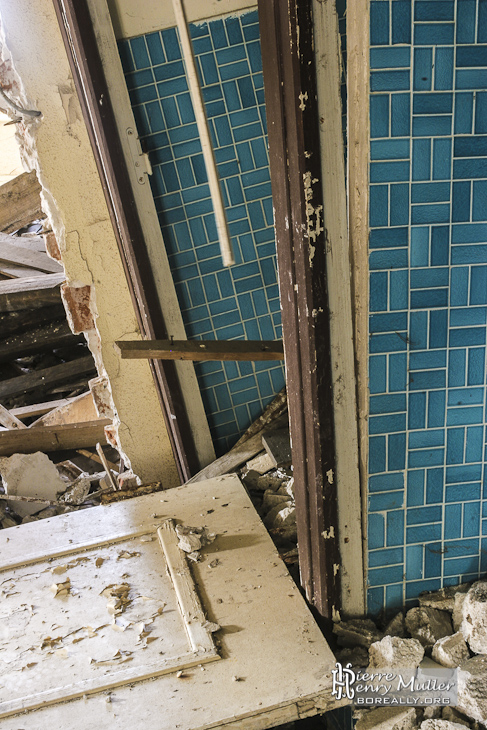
pixel 136 17
pixel 336 568
pixel 58 147
pixel 313 226
pixel 283 667
pixel 327 55
pixel 329 534
pixel 302 98
pixel 330 476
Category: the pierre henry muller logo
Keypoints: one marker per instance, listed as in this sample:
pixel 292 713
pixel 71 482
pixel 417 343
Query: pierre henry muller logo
pixel 421 686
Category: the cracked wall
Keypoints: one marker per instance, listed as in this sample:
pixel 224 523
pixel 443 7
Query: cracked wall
pixel 57 146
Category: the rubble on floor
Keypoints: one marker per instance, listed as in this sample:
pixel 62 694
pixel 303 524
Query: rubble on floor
pixel 450 626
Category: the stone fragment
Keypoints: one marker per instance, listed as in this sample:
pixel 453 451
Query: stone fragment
pixel 457 616
pixel 357 657
pixel 392 651
pixel 261 482
pixel 444 599
pixel 474 611
pixel 287 488
pixel 396 627
pixel 261 463
pixel 357 632
pixel 192 539
pixel 271 499
pixel 428 624
pixel 285 517
pixel 271 520
pixel 388 718
pixel 451 651
pixel 432 713
pixel 30 475
pixel 440 725
pixel 449 713
pixel 472 695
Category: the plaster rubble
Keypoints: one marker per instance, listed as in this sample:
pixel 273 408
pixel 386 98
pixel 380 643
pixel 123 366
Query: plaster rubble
pixel 388 718
pixel 428 624
pixel 472 681
pixel 30 475
pixel 394 652
pixel 440 725
pixel 474 613
pixel 450 651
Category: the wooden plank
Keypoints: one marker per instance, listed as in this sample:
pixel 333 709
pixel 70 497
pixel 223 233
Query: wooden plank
pixel 20 202
pixel 13 322
pixel 42 379
pixel 329 74
pixel 278 446
pixel 76 410
pixel 45 337
pixel 38 409
pixel 198 350
pixel 34 291
pixel 24 257
pixel 235 457
pixel 9 420
pixel 53 438
pixel 17 272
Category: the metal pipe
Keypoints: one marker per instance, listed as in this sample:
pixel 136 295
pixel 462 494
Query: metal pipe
pixel 204 133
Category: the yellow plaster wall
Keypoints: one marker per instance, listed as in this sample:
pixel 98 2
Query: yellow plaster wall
pixel 57 146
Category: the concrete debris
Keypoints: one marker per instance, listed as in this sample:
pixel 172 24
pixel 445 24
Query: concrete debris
pixel 287 488
pixel 280 515
pixel 432 713
pixel 457 615
pixel 449 713
pixel 262 463
pixel 30 475
pixel 357 657
pixel 450 651
pixel 474 612
pixel 394 652
pixel 387 718
pixel 79 489
pixel 261 482
pixel 444 599
pixel 192 539
pixel 128 480
pixel 396 626
pixel 44 514
pixel 428 625
pixel 357 632
pixel 440 725
pixel 472 681
pixel 271 499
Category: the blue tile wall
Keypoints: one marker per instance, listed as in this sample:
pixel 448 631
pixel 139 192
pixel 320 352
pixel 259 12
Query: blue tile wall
pixel 427 497
pixel 241 302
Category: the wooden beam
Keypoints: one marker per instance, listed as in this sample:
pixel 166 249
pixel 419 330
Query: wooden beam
pixel 35 291
pixel 42 379
pixel 199 350
pixel 14 322
pixel 53 438
pixel 273 410
pixel 295 167
pixel 45 337
pixel 24 257
pixel 20 202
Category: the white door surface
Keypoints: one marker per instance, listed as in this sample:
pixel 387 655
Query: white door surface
pixel 105 621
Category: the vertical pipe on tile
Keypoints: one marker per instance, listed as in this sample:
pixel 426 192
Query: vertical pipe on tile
pixel 204 133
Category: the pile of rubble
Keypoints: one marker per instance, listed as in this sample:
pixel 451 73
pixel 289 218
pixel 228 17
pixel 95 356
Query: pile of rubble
pixel 449 628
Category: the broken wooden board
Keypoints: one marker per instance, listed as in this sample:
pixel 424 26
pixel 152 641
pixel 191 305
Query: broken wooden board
pixel 236 456
pixel 77 410
pixel 275 665
pixel 20 202
pixel 30 292
pixel 8 420
pixel 21 256
pixel 41 379
pixel 45 337
pixel 278 446
pixel 53 438
pixel 273 410
pixel 38 409
pixel 200 351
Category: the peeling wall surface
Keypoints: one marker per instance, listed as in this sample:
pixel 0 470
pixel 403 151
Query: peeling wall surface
pixel 428 297
pixel 57 146
pixel 240 302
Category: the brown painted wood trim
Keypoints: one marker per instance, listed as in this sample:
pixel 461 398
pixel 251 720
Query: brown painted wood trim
pixel 199 350
pixel 293 128
pixel 84 59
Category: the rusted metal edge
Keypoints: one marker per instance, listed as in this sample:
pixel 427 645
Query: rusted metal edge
pixel 86 66
pixel 290 92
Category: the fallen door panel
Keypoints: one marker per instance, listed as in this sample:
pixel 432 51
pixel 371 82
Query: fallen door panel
pixel 128 644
